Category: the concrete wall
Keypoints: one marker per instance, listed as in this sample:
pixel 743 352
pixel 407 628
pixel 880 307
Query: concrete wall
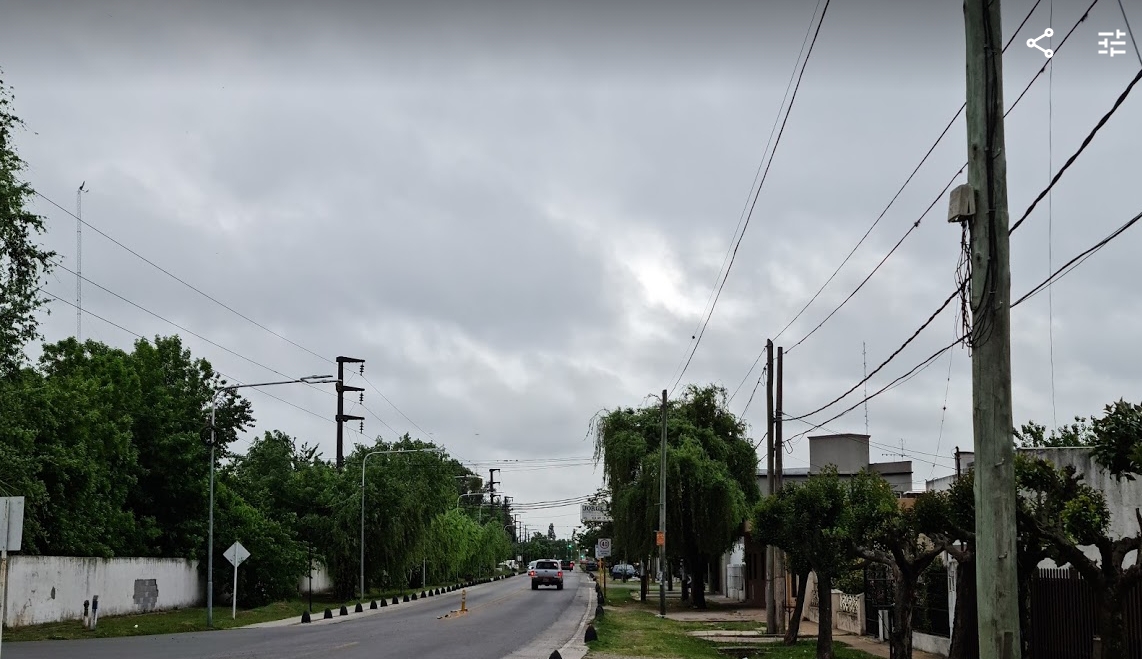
pixel 935 644
pixel 322 581
pixel 848 452
pixel 53 588
pixel 1122 497
pixel 848 612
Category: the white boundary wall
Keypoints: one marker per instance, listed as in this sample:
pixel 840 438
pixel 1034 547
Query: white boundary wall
pixel 53 588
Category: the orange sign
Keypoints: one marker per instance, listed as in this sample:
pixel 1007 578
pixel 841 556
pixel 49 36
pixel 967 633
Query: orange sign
pixel 661 540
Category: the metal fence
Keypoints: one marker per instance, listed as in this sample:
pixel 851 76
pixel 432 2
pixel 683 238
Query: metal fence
pixel 1064 617
pixel 931 615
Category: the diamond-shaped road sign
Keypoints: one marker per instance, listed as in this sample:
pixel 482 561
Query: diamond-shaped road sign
pixel 236 554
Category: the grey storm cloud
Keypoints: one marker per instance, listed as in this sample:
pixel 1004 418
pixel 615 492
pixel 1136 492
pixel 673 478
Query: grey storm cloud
pixel 516 211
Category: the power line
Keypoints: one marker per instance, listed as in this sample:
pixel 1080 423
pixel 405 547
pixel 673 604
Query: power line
pixel 753 204
pixel 756 175
pixel 1062 271
pixel 916 224
pixel 140 336
pixel 955 294
pixel 207 340
pixel 1082 147
pixel 399 411
pixel 180 280
pixel 1077 260
pixel 1129 31
pixel 218 302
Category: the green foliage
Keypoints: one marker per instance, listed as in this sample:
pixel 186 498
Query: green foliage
pixel 810 521
pixel 110 450
pixel 23 263
pixel 1034 435
pixel 711 471
pixel 1119 443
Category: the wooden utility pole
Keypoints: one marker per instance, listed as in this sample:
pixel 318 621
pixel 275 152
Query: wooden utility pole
pixel 778 482
pixel 983 205
pixel 770 489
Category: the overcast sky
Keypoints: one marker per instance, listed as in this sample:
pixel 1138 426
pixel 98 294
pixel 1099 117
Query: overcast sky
pixel 516 212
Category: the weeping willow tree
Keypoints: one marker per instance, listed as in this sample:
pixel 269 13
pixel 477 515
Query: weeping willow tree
pixel 711 478
pixel 404 492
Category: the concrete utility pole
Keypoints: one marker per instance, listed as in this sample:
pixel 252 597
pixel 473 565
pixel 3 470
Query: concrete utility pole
pixel 984 208
pixel 341 416
pixel 662 514
pixel 770 488
pixel 778 482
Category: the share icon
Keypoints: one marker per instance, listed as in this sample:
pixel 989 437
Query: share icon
pixel 1034 43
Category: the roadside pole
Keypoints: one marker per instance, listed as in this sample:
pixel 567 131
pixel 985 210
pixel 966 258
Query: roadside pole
pixel 13 508
pixel 4 571
pixel 661 538
pixel 990 286
pixel 770 490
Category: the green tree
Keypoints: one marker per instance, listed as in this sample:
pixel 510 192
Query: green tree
pixel 276 560
pixel 711 469
pixel 23 263
pixel 775 523
pixel 886 533
pixel 816 529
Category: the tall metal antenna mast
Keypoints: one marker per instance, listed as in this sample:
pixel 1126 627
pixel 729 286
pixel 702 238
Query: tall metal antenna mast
pixel 864 355
pixel 79 261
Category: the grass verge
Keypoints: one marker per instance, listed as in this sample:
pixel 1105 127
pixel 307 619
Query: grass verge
pixel 632 628
pixel 182 620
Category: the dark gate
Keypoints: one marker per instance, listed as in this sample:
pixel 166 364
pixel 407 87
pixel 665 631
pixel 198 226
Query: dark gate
pixel 879 594
pixel 1064 617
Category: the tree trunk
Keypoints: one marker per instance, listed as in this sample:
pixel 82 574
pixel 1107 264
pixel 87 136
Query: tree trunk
pixel 1111 625
pixel 697 587
pixel 901 637
pixel 965 644
pixel 794 627
pixel 683 582
pixel 825 616
pixel 644 581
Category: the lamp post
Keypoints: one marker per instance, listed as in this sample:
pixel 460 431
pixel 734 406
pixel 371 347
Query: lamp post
pixel 364 460
pixel 309 379
pixel 468 494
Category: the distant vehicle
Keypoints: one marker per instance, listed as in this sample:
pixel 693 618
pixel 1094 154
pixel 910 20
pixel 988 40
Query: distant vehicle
pixel 546 573
pixel 590 565
pixel 624 571
pixel 567 565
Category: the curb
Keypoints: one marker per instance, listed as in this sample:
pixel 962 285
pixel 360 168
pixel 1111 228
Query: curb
pixel 317 621
pixel 576 648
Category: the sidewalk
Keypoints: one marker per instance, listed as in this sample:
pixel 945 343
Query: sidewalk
pixel 808 628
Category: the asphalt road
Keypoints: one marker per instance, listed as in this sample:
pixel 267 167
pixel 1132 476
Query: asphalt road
pixel 505 618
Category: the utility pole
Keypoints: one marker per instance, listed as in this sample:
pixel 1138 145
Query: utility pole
pixel 770 488
pixel 341 416
pixel 79 261
pixel 492 486
pixel 662 514
pixel 983 205
pixel 779 481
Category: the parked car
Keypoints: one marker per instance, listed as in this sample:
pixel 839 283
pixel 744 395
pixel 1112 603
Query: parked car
pixel 624 571
pixel 546 573
pixel 590 565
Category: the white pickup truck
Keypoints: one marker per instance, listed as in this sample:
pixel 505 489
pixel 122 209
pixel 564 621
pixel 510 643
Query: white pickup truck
pixel 546 573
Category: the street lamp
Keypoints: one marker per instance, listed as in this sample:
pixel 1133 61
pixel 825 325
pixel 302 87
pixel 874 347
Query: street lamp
pixel 468 494
pixel 309 379
pixel 363 461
